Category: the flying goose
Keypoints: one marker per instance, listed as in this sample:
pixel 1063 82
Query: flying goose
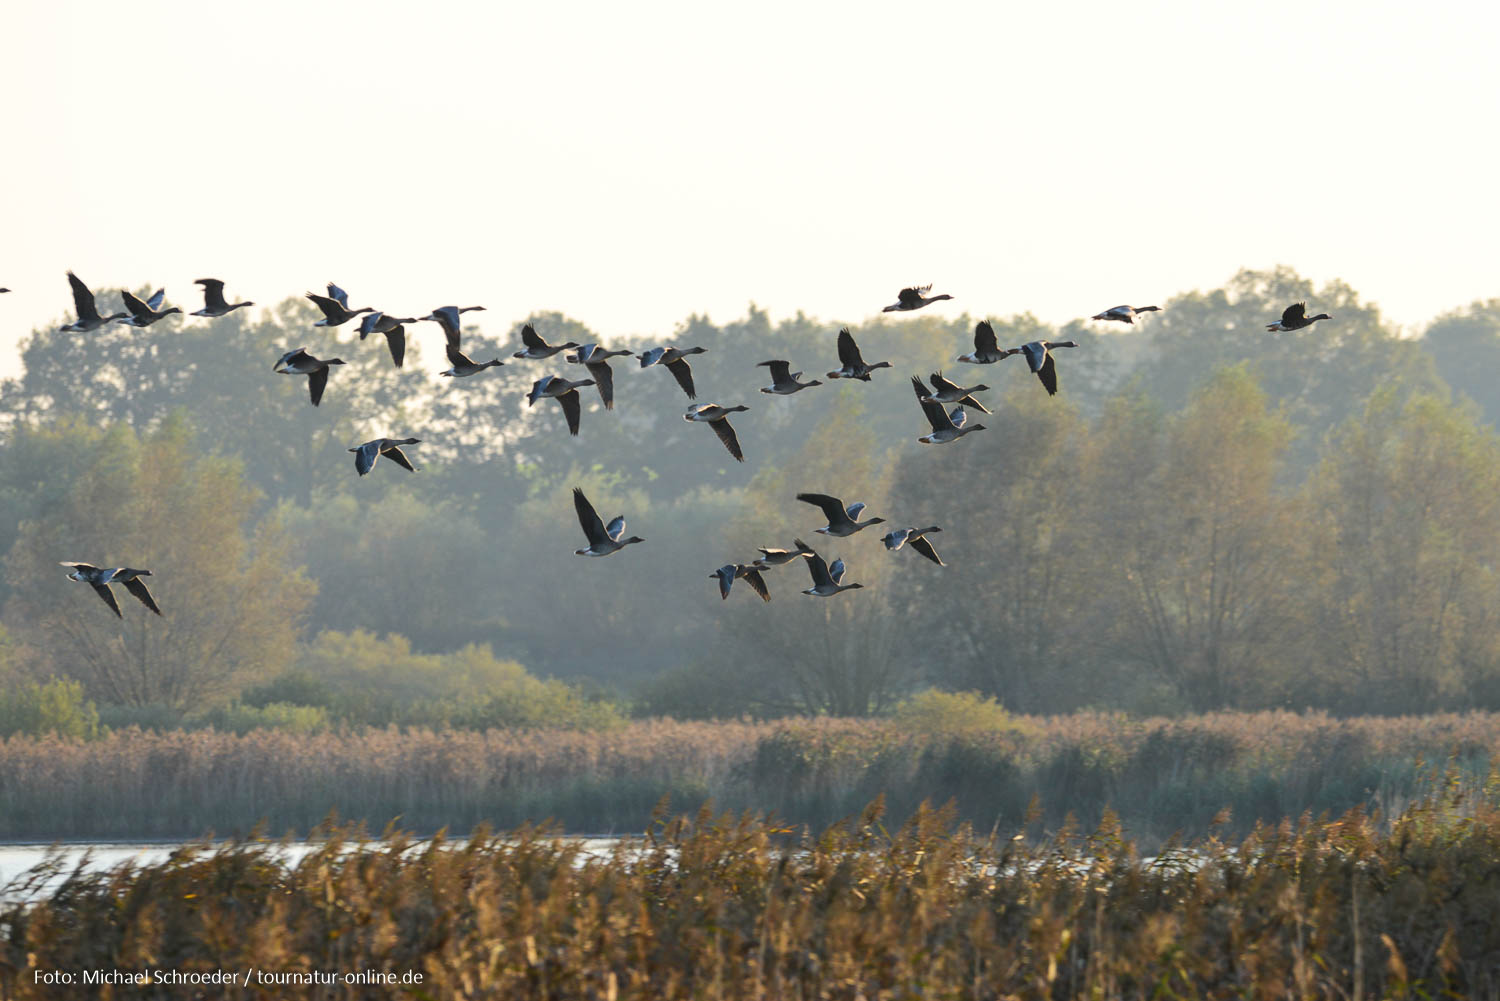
pixel 779 557
pixel 366 455
pixel 214 303
pixel 335 307
pixel 88 314
pixel 1295 318
pixel 749 572
pixel 602 540
pixel 596 360
pixel 447 318
pixel 1125 314
pixel 299 362
pixel 914 298
pixel 917 537
pixel 101 578
pixel 854 366
pixel 377 322
pixel 717 417
pixel 986 350
pixel 537 347
pixel 826 583
pixel 946 426
pixel 1039 357
pixel 564 392
pixel 783 379
pixel 949 392
pixel 463 365
pixel 676 361
pixel 143 314
pixel 841 521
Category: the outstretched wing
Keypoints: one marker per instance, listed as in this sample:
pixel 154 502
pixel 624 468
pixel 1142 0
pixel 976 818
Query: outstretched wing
pixel 338 295
pixel 317 381
pixel 103 591
pixel 836 571
pixel 921 545
pixel 911 297
pixel 138 309
pixel 615 528
pixel 456 357
pixel 758 584
pixel 366 456
pixel 833 508
pixel 728 437
pixel 984 338
pixel 156 300
pixel 1294 314
pixel 572 409
pixel 137 587
pixel 848 350
pixel 684 375
pixel 397 456
pixel 819 570
pixel 725 574
pixel 395 338
pixel 604 378
pixel 213 293
pixel 83 299
pixel 781 370
pixel 936 415
pixel 531 338
pixel 593 526
pixel 1048 374
pixel 332 308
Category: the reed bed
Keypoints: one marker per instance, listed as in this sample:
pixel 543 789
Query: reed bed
pixel 1161 776
pixel 708 907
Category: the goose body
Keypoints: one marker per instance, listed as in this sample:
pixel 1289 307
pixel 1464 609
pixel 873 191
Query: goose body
pixel 675 359
pixel 783 379
pixel 603 539
pixel 914 298
pixel 986 350
pixel 447 318
pixel 101 577
pixel 945 391
pixel 917 538
pixel 1295 317
pixel 1039 358
pixel 596 360
pixel 143 314
pixel 717 417
pixel 392 327
pixel 842 521
pixel 565 393
pixel 780 557
pixel 335 307
pixel 366 455
pixel 537 347
pixel 214 303
pixel 462 365
pixel 299 362
pixel 1124 314
pixel 748 572
pixel 946 426
pixel 852 362
pixel 826 581
pixel 88 313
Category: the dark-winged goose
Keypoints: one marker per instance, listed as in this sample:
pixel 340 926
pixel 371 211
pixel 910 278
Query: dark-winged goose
pixel 366 455
pixel 299 362
pixel 675 359
pixel 748 572
pixel 1039 357
pixel 463 365
pixel 392 326
pixel 917 538
pixel 101 577
pixel 853 363
pixel 335 307
pixel 783 379
pixel 986 350
pixel 537 346
pixel 945 391
pixel 88 313
pixel 825 583
pixel 1124 314
pixel 946 426
pixel 143 314
pixel 717 417
pixel 780 557
pixel 596 360
pixel 914 298
pixel 603 539
pixel 214 303
pixel 564 392
pixel 1295 317
pixel 842 520
pixel 447 318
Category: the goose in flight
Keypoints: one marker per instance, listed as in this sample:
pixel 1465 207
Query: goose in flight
pixel 1125 314
pixel 596 360
pixel 826 581
pixel 366 455
pixel 946 426
pixel 1295 318
pixel 842 521
pixel 748 572
pixel 675 359
pixel 462 365
pixel 717 417
pixel 447 318
pixel 603 539
pixel 853 363
pixel 564 392
pixel 299 362
pixel 783 379
pixel 1039 357
pixel 986 350
pixel 914 298
pixel 377 322
pixel 950 392
pixel 780 557
pixel 537 346
pixel 88 314
pixel 143 314
pixel 335 307
pixel 917 539
pixel 214 303
pixel 101 577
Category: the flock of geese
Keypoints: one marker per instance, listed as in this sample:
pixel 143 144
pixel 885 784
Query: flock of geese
pixel 947 425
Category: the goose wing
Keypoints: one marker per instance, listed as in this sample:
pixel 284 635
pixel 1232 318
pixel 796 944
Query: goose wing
pixel 447 318
pixel 292 357
pixel 138 309
pixel 1294 314
pixel 138 587
pixel 936 415
pixel 338 295
pixel 910 297
pixel 895 540
pixel 819 570
pixel 366 456
pixel 725 574
pixel 615 528
pixel 332 308
pixel 456 357
pixel 984 339
pixel 86 567
pixel 781 370
pixel 757 584
pixel 213 293
pixel 531 338
pixel 395 339
pixel 1048 374
pixel 103 591
pixel 572 409
pixel 317 381
pixel 83 299
pixel 973 404
pixel 849 351
pixel 593 525
pixel 833 508
pixel 604 378
pixel 923 546
pixel 728 437
pixel 397 456
pixel 651 357
pixel 156 300
pixel 1036 354
pixel 684 375
pixel 942 385
pixel 367 323
pixel 836 571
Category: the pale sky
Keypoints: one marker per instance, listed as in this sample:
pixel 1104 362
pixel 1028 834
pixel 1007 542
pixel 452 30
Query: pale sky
pixel 629 164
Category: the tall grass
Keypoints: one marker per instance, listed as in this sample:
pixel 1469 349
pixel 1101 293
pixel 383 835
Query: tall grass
pixel 1160 776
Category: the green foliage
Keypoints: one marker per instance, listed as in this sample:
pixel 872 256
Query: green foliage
pixel 56 706
pixel 934 713
pixel 237 717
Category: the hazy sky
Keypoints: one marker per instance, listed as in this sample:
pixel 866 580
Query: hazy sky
pixel 629 164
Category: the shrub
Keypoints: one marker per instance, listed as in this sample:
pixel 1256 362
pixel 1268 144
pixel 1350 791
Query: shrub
pixel 932 713
pixel 58 706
